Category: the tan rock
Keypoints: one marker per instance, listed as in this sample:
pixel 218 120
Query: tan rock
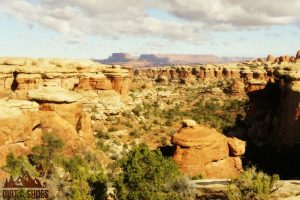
pixel 68 121
pixel 226 168
pixel 270 58
pixel 53 94
pixel 189 123
pixel 236 147
pixel 202 150
pixel 293 59
pixel 256 85
pixel 28 81
pixel 237 88
pixel 14 61
pixel 298 55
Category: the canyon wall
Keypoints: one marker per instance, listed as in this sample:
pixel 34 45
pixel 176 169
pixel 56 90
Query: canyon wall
pixel 21 74
pixel 57 96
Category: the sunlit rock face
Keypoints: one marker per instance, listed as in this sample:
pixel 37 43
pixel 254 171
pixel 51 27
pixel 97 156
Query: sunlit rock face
pixel 23 123
pixel 22 74
pixel 202 150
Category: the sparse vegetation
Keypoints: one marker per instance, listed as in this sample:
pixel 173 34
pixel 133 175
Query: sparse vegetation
pixel 252 185
pixel 148 175
pixel 77 177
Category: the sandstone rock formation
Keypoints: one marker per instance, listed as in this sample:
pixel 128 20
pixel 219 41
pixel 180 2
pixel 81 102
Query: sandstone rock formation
pixel 191 74
pixel 237 88
pixel 298 55
pixel 270 58
pixel 22 123
pixel 22 74
pixel 53 94
pixel 202 150
pixel 188 123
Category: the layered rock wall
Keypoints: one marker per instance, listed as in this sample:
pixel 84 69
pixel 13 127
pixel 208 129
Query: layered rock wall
pixel 22 74
pixel 273 116
pixel 203 151
pixel 23 123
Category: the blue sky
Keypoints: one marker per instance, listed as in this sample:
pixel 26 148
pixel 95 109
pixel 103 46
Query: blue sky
pixel 97 28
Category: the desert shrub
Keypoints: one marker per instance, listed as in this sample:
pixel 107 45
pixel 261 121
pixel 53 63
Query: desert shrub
pixel 74 177
pixel 221 117
pixel 164 140
pixel 128 124
pixel 87 183
pixel 17 166
pixel 146 127
pixel 116 142
pixel 77 167
pixel 101 145
pixel 172 132
pixel 197 177
pixel 98 185
pixel 126 114
pixel 137 110
pixel 156 122
pixel 183 188
pixel 112 129
pixel 169 122
pixel 135 133
pixel 252 185
pixel 147 175
pixel 102 134
pixel 44 155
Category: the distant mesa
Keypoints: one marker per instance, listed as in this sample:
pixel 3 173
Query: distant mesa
pixel 156 59
pixel 119 57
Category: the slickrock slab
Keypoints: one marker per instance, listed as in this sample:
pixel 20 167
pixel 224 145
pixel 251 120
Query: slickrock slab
pixel 53 94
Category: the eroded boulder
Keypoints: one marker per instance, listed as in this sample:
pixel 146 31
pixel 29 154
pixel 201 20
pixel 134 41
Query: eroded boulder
pixel 202 150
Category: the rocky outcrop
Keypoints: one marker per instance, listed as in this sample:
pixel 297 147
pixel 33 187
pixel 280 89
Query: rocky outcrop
pixel 202 150
pixel 53 94
pixel 298 55
pixel 22 74
pixel 237 88
pixel 273 115
pixel 270 58
pixel 192 74
pixel 22 123
pixel 189 123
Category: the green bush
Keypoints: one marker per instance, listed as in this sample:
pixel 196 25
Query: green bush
pixel 17 166
pixel 135 133
pixel 137 110
pixel 252 185
pixel 147 175
pixel 112 129
pixel 101 145
pixel 44 154
pixel 103 135
pixel 197 177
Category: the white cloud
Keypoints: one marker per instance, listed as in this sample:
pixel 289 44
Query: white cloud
pixel 118 18
pixel 233 13
pixel 104 18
